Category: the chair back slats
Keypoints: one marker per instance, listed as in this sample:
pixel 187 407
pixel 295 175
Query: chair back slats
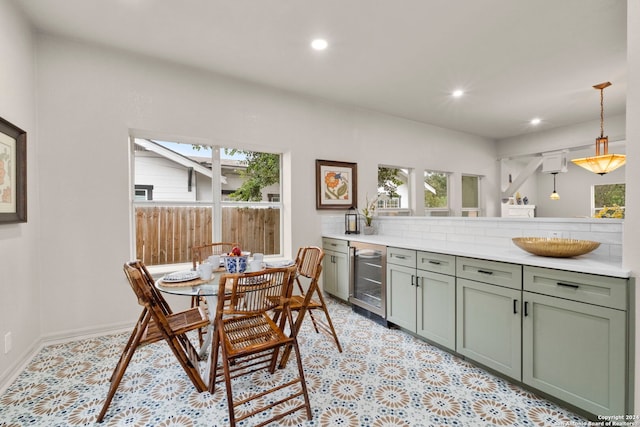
pixel 308 260
pixel 199 254
pixel 257 292
pixel 142 284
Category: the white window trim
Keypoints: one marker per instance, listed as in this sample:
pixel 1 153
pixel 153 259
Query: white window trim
pixel 447 209
pixel 479 209
pixel 216 203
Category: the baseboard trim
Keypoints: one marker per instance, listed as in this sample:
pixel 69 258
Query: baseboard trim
pixel 8 377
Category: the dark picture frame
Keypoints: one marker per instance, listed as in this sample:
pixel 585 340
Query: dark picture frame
pixel 336 184
pixel 13 173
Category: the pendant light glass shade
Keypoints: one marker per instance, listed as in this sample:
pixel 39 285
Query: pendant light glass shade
pixel 602 162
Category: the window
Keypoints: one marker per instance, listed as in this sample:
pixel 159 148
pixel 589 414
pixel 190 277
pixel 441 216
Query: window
pixel 436 193
pixel 143 192
pixel 470 195
pixel 608 201
pixel 393 190
pixel 196 194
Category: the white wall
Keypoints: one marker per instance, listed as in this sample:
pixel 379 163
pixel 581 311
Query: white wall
pixel 19 257
pixel 90 98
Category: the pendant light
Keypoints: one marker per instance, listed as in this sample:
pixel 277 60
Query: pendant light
pixel 554 195
pixel 603 162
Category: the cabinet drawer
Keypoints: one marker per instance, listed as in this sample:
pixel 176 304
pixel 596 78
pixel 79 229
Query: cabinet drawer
pixel 493 272
pixel 337 245
pixel 398 256
pixel 590 288
pixel 438 263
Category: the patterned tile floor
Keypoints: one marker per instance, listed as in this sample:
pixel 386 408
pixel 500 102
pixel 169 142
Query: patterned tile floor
pixel 384 377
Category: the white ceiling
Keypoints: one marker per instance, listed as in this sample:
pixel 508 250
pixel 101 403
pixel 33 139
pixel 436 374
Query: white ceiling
pixel 517 59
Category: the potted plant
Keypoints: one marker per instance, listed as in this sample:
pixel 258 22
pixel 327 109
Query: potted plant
pixel 367 213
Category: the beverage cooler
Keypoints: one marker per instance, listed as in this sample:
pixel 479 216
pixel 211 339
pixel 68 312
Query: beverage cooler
pixel 367 287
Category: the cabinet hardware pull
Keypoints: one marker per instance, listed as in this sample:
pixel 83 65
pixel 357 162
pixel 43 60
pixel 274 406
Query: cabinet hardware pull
pixel 412 279
pixel 400 256
pixel 515 306
pixel 434 262
pixel 485 272
pixel 526 308
pixel 568 285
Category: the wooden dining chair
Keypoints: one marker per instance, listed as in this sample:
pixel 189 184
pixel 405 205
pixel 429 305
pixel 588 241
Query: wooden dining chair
pixel 309 268
pixel 199 254
pixel 157 322
pixel 248 340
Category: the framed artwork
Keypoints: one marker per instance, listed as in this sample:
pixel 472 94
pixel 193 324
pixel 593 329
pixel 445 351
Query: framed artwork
pixel 13 173
pixel 336 185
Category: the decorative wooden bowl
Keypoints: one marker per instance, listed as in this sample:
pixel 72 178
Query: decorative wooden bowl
pixel 554 247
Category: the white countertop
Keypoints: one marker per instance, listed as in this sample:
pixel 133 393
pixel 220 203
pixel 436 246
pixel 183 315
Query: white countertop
pixel 589 263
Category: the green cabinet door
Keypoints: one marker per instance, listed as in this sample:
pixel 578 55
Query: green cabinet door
pixel 335 274
pixel 341 261
pixel 329 272
pixel 436 308
pixel 401 296
pixel 488 325
pixel 575 352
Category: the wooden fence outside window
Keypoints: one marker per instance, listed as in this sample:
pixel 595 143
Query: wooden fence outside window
pixel 166 234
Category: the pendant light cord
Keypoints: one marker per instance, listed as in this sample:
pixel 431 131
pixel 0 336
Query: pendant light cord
pixel 602 113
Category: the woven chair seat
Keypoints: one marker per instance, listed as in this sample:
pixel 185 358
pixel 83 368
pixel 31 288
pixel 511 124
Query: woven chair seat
pixel 180 323
pixel 251 332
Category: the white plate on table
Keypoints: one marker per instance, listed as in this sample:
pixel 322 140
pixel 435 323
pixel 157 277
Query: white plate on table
pixel 279 264
pixel 181 276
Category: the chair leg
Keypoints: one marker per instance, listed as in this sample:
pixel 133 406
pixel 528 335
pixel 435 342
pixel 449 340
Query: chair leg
pixel 129 342
pixel 329 322
pixel 303 383
pixel 313 320
pixel 185 352
pixel 213 370
pixel 227 383
pixel 195 302
pixel 123 362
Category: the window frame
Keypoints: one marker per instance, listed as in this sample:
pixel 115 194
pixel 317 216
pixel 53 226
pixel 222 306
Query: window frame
pixel 469 211
pixel 217 202
pixel 428 211
pixel 596 210
pixel 384 201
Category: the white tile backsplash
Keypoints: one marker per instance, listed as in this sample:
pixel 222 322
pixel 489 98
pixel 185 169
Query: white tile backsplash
pixel 494 231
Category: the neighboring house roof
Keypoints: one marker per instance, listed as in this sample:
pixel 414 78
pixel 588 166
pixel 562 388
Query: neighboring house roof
pixel 176 157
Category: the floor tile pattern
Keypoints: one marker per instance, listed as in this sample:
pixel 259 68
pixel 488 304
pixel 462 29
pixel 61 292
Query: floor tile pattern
pixel 384 377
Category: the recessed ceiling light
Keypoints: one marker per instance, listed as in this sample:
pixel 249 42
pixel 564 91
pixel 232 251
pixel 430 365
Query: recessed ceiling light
pixel 319 44
pixel 535 121
pixel 457 93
